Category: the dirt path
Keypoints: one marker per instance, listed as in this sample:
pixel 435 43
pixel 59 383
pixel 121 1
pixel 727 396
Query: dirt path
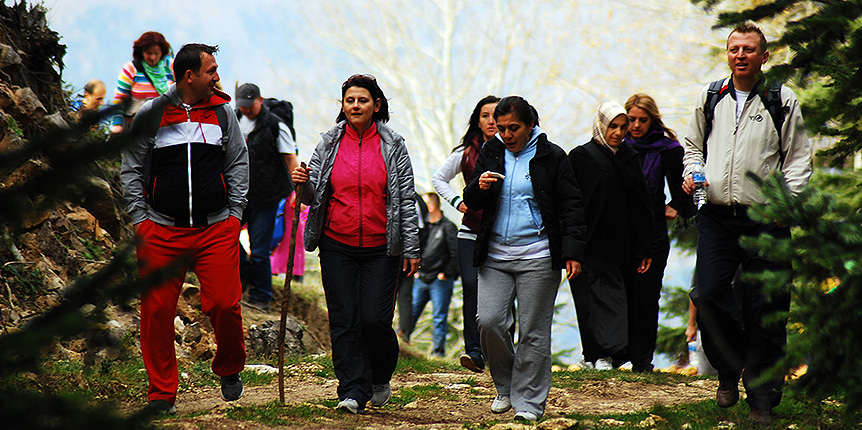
pixel 461 398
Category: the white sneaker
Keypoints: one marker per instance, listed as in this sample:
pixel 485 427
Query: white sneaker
pixel 604 364
pixel 348 405
pixel 381 395
pixel 501 404
pixel 525 416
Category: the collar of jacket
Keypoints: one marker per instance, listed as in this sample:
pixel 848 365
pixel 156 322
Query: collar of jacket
pixel 758 86
pixel 495 145
pixel 218 98
pixel 333 135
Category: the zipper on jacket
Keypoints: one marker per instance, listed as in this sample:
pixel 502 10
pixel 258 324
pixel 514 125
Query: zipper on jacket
pixel 189 163
pixel 539 227
pixel 509 197
pixel 359 192
pixel 733 152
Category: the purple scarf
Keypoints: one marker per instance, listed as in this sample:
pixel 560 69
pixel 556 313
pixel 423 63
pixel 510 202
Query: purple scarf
pixel 651 146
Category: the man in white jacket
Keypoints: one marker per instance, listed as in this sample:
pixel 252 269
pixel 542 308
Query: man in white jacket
pixel 742 137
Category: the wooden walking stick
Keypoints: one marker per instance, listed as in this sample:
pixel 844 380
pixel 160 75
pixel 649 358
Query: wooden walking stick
pixel 285 296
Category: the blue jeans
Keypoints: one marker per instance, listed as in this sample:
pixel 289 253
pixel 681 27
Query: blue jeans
pixel 439 292
pixel 255 269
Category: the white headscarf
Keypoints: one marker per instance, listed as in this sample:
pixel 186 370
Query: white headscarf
pixel 604 115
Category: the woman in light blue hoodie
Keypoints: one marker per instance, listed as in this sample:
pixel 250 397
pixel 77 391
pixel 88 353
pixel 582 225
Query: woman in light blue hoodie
pixel 532 227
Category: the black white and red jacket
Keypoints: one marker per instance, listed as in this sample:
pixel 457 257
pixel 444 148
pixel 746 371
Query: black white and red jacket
pixel 185 168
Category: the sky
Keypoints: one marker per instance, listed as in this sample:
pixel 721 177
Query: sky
pixel 272 43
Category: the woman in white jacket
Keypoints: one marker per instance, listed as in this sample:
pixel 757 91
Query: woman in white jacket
pixel 480 129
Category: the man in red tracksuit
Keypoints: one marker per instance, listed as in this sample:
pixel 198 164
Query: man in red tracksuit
pixel 185 178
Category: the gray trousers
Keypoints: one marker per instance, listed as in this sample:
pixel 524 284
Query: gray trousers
pixel 522 373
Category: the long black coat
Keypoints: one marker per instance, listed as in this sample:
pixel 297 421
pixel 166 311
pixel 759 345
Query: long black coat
pixel 619 234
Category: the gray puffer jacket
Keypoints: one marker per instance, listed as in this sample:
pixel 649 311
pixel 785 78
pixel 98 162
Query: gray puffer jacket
pixel 402 225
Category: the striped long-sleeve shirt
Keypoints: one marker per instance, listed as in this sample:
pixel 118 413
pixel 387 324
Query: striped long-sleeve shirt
pixel 133 83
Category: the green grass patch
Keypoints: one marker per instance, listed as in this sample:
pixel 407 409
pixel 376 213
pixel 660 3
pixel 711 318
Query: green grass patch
pixel 569 379
pixel 707 415
pixel 407 395
pixel 115 380
pixel 471 381
pixel 271 414
pixel 251 378
pixel 424 366
pixel 277 414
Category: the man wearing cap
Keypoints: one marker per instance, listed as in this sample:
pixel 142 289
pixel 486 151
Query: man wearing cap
pixel 271 156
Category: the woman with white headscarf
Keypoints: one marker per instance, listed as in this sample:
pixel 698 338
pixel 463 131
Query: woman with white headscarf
pixel 619 232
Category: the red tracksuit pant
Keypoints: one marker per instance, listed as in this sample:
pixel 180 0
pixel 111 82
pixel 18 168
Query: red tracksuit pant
pixel 213 254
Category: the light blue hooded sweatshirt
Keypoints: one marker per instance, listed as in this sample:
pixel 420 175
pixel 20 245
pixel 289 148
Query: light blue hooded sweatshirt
pixel 519 221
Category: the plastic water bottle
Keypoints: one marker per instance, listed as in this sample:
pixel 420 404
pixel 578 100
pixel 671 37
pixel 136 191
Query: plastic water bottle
pixel 693 359
pixel 699 177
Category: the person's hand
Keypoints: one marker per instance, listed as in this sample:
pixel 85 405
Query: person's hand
pixel 411 265
pixel 688 185
pixel 299 175
pixel 135 227
pixel 462 207
pixel 670 213
pixel 115 129
pixel 644 266
pixel 486 179
pixel 573 268
pixel 441 276
pixel 690 333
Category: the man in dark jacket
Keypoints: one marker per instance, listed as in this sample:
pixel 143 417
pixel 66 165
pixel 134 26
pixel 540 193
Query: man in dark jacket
pixel 271 156
pixel 185 177
pixel 436 276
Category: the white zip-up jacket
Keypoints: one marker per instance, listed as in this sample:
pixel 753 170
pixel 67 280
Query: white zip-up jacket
pixel 752 145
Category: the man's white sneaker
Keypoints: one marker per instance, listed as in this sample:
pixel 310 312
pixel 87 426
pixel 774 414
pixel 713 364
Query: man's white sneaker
pixel 604 364
pixel 348 405
pixel 381 395
pixel 501 404
pixel 525 416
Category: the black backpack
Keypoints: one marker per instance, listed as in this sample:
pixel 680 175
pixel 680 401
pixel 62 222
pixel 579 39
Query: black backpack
pixel 283 109
pixel 770 95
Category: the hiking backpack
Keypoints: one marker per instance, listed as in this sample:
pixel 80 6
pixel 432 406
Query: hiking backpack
pixel 283 109
pixel 770 95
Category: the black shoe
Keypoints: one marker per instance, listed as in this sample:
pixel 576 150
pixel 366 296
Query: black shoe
pixel 728 393
pixel 760 416
pixel 159 407
pixel 231 387
pixel 642 368
pixel 473 362
pixel 261 306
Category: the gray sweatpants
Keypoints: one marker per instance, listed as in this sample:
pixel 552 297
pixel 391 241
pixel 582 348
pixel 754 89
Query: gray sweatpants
pixel 523 374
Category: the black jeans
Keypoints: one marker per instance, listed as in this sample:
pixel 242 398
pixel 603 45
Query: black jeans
pixel 360 285
pixel 470 290
pixel 643 291
pixel 406 324
pixel 756 344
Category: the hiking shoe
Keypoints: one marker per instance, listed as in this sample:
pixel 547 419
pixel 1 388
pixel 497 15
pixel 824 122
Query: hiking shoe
pixel 349 405
pixel 760 416
pixel 604 364
pixel 159 407
pixel 727 394
pixel 501 404
pixel 231 387
pixel 526 417
pixel 258 305
pixel 473 362
pixel 382 393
